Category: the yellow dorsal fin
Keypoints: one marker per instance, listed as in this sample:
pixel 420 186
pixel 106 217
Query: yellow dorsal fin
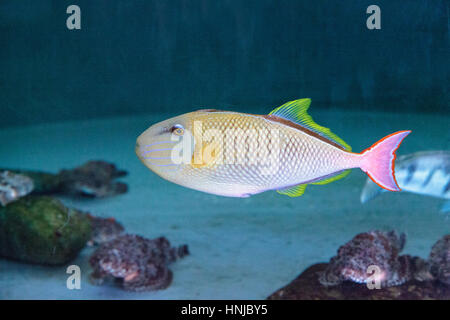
pixel 295 191
pixel 338 176
pixel 296 111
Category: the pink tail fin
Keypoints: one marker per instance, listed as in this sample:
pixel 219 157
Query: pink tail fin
pixel 379 160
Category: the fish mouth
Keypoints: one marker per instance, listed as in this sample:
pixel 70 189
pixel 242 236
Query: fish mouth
pixel 157 155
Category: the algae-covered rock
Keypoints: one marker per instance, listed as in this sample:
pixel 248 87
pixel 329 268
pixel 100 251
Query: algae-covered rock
pixel 40 229
pixel 104 229
pixel 136 263
pixel 439 260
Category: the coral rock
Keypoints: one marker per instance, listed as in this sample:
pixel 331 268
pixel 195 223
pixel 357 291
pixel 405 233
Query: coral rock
pixel 346 276
pixel 13 186
pixel 439 260
pixel 104 229
pixel 373 251
pixel 44 183
pixel 94 178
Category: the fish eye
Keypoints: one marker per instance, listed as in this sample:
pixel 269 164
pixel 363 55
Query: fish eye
pixel 178 130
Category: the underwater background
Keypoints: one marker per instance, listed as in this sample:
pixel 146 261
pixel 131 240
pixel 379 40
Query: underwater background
pixel 70 96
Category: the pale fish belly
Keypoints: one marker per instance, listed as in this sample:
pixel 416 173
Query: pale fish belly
pixel 267 156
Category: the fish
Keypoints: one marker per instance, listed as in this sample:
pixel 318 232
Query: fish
pixel 425 173
pixel 237 154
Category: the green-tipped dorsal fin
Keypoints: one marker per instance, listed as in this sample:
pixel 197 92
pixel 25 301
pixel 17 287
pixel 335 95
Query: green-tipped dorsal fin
pixel 296 111
pixel 295 191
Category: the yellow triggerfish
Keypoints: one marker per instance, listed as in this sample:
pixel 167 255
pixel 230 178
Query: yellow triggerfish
pixel 238 154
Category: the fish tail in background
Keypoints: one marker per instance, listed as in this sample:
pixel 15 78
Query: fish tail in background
pixel 370 191
pixel 378 161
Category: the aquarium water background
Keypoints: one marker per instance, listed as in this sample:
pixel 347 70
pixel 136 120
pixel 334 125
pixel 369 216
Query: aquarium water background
pixel 69 96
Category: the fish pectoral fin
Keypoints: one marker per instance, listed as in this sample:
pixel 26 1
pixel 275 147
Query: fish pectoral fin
pixel 331 178
pixel 295 191
pixel 297 111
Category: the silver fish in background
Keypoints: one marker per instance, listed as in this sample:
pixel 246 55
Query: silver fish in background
pixel 426 173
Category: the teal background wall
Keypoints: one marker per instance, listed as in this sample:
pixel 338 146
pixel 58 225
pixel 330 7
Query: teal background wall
pixel 175 56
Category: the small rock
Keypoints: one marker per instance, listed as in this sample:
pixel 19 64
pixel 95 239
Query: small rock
pixel 439 260
pixel 13 186
pixel 94 179
pixel 104 229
